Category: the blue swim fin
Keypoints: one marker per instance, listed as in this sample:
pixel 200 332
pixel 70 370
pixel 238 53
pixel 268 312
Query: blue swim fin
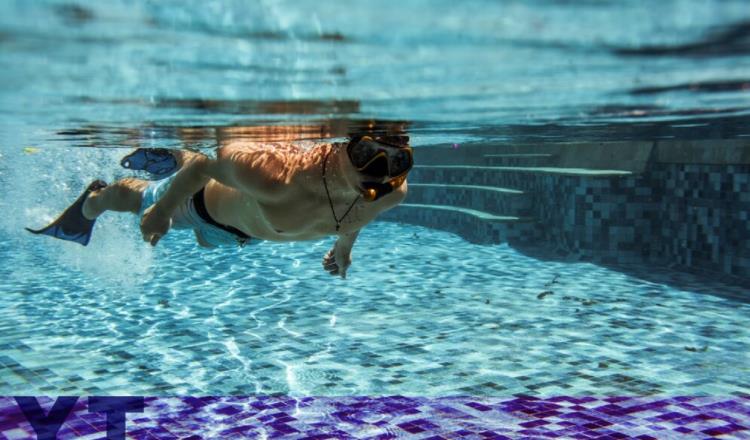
pixel 159 162
pixel 72 225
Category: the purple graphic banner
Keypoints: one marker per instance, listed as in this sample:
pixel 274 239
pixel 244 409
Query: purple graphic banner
pixel 582 417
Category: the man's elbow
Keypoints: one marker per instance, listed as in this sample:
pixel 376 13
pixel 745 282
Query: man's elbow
pixel 204 165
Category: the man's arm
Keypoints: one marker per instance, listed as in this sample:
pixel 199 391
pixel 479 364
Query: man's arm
pixel 256 169
pixel 344 245
pixel 339 258
pixel 192 176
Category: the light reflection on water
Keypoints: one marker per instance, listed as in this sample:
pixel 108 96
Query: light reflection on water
pixel 477 70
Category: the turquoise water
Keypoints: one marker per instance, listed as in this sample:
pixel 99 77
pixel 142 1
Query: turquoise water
pixel 425 314
pixel 422 312
pixel 114 72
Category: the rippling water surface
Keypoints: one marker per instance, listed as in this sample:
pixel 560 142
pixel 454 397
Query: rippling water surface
pixel 456 70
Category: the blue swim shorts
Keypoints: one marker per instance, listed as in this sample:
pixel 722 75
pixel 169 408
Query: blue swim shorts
pixel 188 216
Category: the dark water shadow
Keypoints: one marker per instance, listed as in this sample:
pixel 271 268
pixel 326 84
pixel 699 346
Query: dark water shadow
pixel 732 40
pixel 684 278
pixel 73 14
pixel 698 87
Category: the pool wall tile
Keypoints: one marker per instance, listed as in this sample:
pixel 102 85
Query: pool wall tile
pixel 691 217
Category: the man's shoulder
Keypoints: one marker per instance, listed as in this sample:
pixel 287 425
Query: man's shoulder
pixel 276 155
pixel 253 147
pixel 263 168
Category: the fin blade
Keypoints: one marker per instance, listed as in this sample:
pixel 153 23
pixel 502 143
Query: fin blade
pixel 71 225
pixel 56 231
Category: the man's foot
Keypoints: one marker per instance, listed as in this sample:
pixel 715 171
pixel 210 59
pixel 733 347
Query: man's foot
pixel 72 225
pixel 159 162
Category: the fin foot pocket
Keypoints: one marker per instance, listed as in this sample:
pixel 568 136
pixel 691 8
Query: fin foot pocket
pixel 159 162
pixel 71 225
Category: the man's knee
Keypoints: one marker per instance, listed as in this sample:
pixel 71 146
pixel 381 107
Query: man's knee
pixel 132 184
pixel 126 194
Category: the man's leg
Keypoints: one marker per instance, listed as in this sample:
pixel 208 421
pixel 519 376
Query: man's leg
pixel 158 162
pixel 77 222
pixel 123 196
pixel 126 195
pixel 185 156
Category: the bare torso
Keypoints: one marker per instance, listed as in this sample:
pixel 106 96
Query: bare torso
pixel 297 207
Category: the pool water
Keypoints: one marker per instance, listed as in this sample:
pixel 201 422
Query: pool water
pixel 422 312
pixel 427 314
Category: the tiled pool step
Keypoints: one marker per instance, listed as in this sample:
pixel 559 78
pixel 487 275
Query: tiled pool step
pixel 520 159
pixel 485 204
pixel 526 169
pixel 473 225
pixel 619 155
pixel 481 215
pixel 519 178
pixel 491 199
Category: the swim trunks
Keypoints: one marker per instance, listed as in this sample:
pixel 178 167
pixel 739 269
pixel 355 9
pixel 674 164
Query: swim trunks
pixel 192 214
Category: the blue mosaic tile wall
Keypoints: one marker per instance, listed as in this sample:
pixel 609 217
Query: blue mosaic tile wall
pixel 692 217
pixel 470 228
pixel 686 216
pixel 704 217
pixel 603 219
pixel 503 203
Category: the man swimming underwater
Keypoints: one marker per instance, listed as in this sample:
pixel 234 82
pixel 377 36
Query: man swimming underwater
pixel 277 192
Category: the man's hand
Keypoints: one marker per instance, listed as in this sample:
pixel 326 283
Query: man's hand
pixel 155 224
pixel 338 260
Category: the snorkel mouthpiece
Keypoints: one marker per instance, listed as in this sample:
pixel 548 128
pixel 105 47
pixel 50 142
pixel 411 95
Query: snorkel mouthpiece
pixel 374 190
pixel 370 194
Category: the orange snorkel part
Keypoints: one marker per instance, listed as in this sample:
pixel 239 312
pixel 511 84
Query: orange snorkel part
pixel 374 191
pixel 369 194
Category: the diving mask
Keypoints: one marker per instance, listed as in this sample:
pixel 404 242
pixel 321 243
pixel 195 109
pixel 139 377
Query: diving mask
pixel 379 158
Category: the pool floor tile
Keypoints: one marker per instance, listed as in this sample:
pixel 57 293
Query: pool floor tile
pixel 360 417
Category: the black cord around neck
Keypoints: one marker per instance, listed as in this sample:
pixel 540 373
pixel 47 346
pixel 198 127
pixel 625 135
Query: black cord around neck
pixel 328 194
